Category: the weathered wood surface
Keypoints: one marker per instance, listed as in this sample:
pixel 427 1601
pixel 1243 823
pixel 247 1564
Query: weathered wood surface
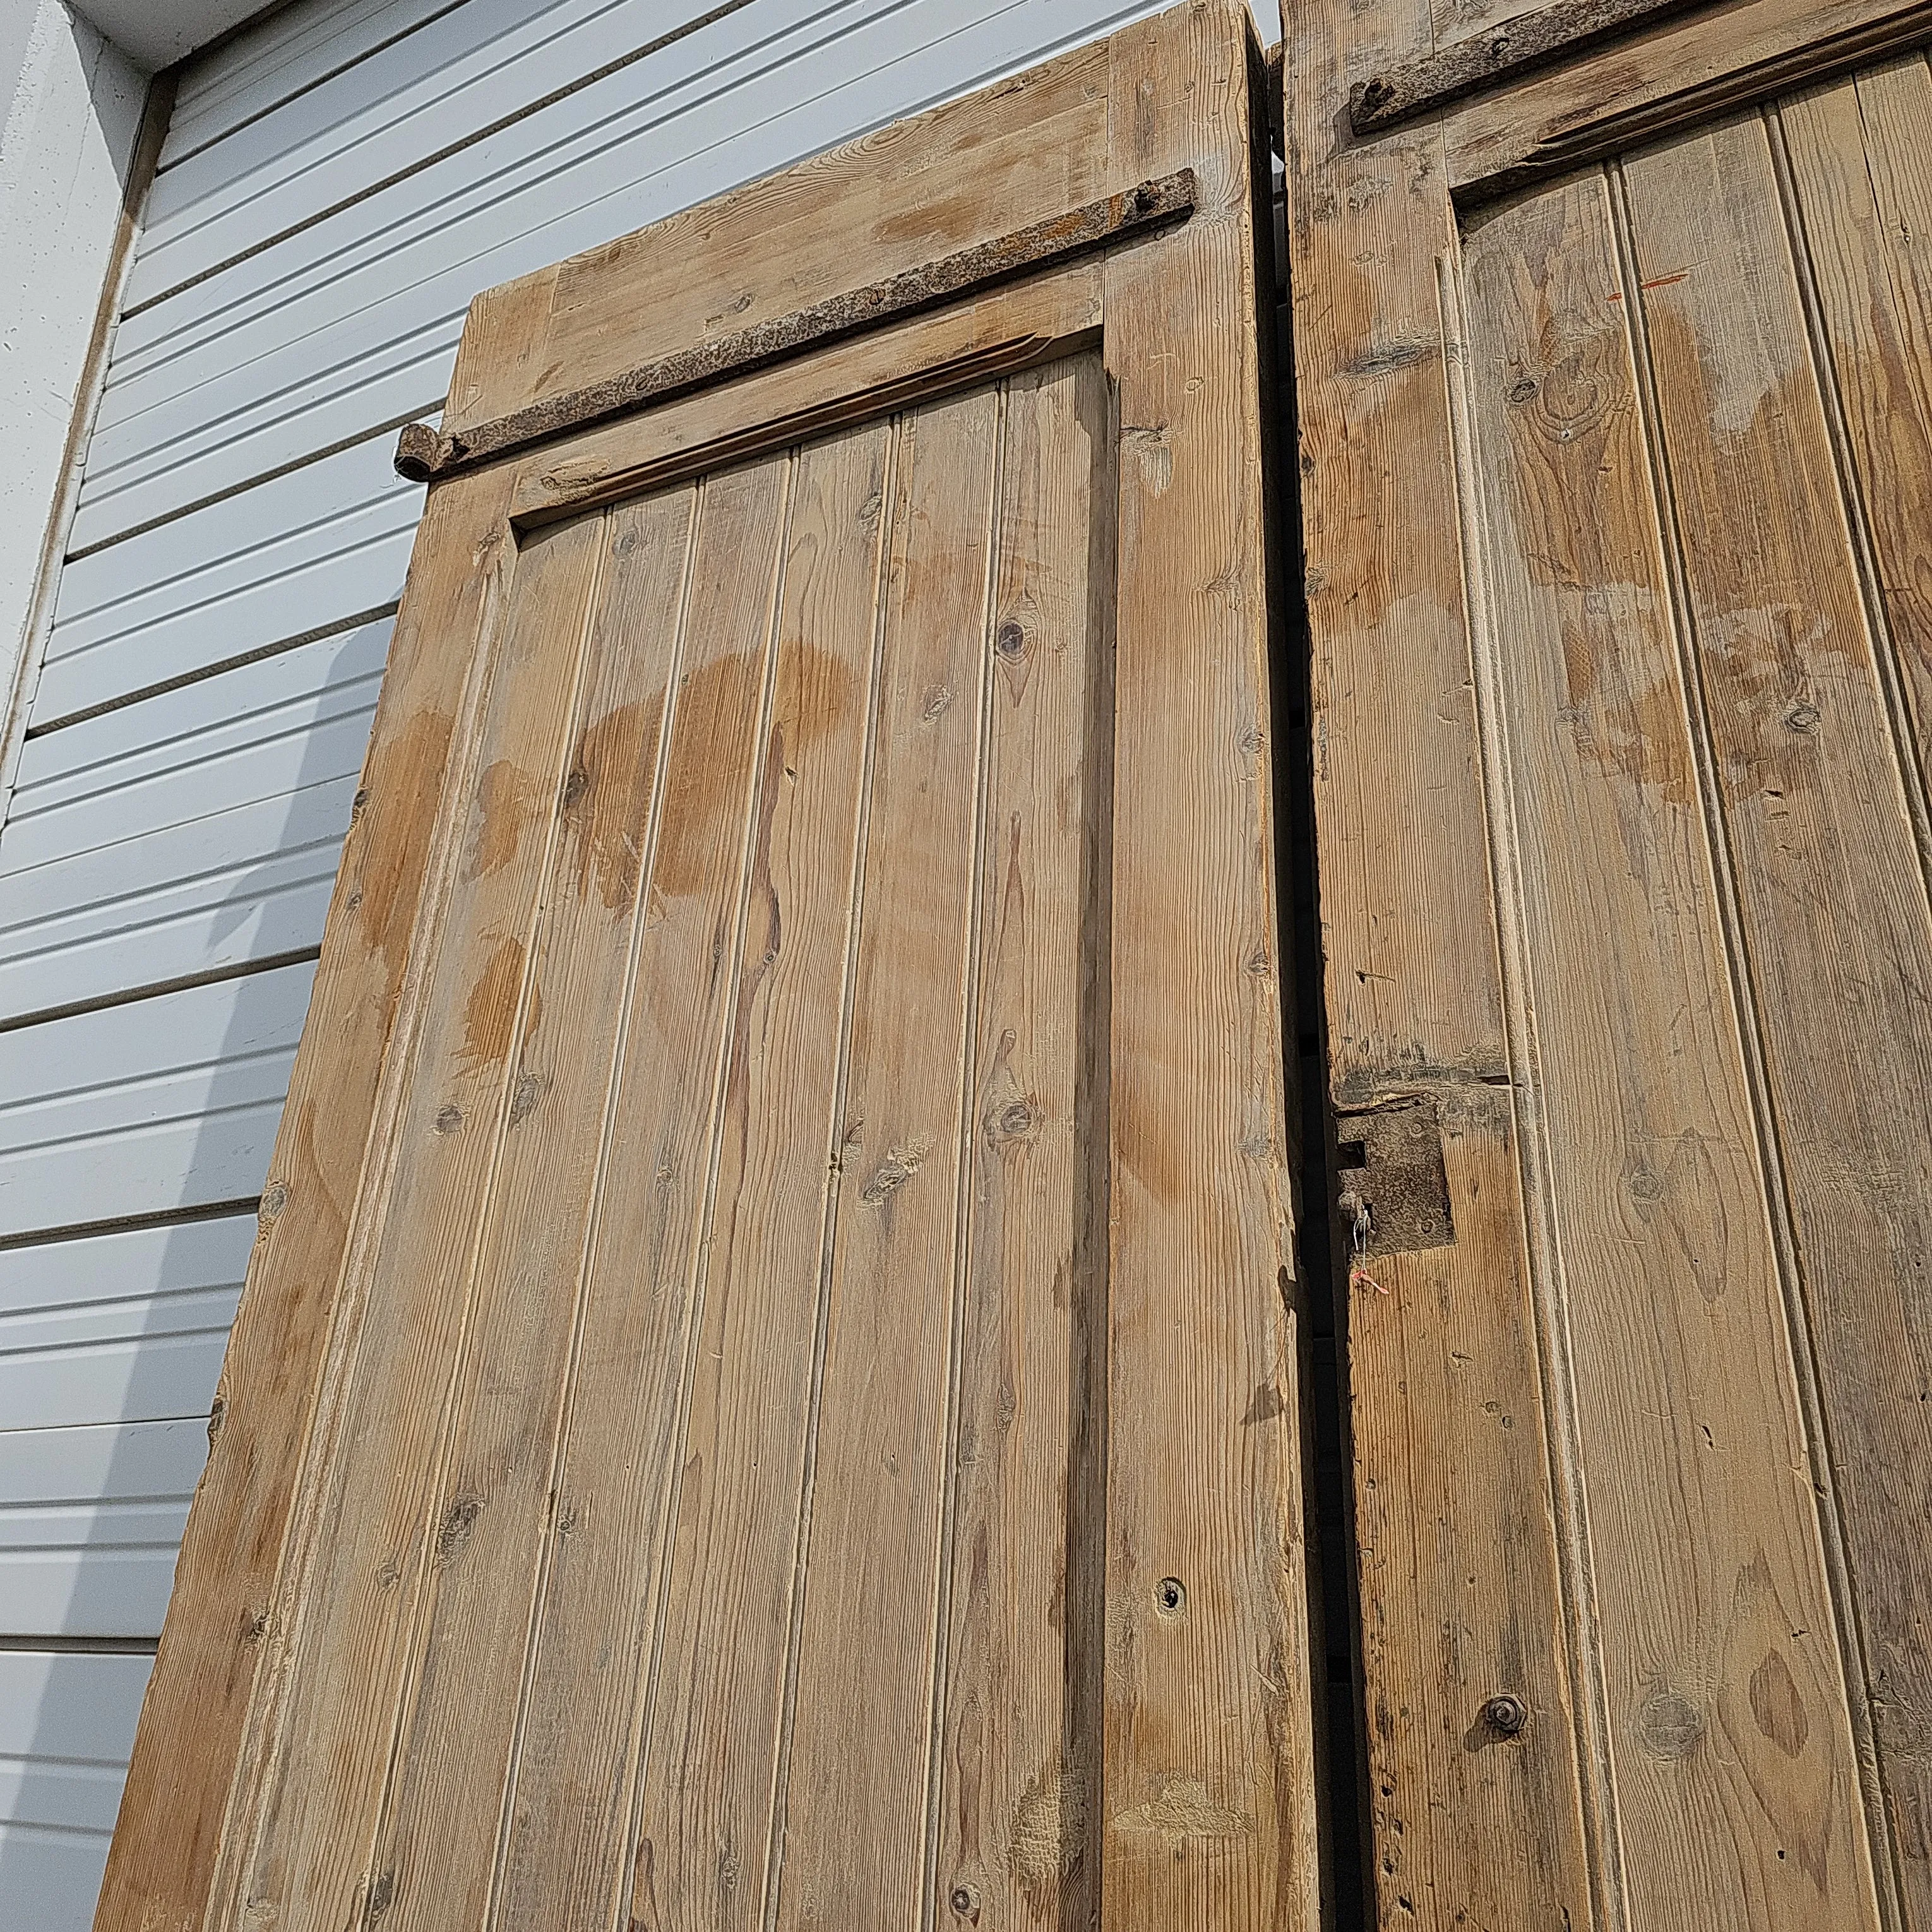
pixel 1823 800
pixel 1687 71
pixel 1494 51
pixel 158 1870
pixel 1207 1752
pixel 423 453
pixel 960 347
pixel 753 1167
pixel 1627 473
pixel 1736 1782
pixel 1461 1591
pixel 1027 149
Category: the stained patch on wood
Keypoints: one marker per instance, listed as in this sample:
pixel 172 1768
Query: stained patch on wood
pixel 490 1011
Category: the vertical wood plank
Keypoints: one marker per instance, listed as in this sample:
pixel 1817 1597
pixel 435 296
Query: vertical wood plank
pixel 436 1851
pixel 1715 1610
pixel 1861 156
pixel 1017 1797
pixel 342 1623
pixel 1209 1757
pixel 195 1714
pixel 711 1735
pixel 655 1184
pixel 851 1839
pixel 1819 811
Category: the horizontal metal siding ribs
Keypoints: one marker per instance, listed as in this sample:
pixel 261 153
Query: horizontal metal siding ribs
pixel 67 1725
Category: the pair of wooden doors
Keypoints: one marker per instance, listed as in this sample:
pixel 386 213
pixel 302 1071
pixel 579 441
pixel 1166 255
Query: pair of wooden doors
pixel 766 1396
pixel 769 1391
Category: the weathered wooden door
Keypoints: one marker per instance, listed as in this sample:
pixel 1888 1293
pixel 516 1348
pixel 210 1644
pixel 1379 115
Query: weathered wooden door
pixel 767 1395
pixel 1615 378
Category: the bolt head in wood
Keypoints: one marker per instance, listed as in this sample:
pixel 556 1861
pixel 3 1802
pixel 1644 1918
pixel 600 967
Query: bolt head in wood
pixel 1506 1715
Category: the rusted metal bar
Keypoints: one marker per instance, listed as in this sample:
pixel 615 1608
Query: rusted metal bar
pixel 1433 80
pixel 424 456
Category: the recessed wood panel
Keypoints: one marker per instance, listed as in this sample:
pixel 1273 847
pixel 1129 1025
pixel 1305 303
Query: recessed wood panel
pixel 719 1472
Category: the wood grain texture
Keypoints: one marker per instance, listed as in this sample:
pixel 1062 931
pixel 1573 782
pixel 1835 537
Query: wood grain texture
pixel 961 347
pixel 1462 1580
pixel 1018 1718
pixel 713 1727
pixel 1860 156
pixel 1736 1789
pixel 457 1731
pixel 697 1503
pixel 1208 1769
pixel 856 1800
pixel 1494 50
pixel 891 200
pixel 185 1758
pixel 1820 809
pixel 1709 63
pixel 364 1547
pixel 423 453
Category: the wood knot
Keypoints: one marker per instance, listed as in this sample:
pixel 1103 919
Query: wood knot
pixel 380 1893
pixel 1670 1725
pixel 453 1532
pixel 530 1088
pixel 1010 641
pixel 447 1120
pixel 895 1170
pixel 274 1200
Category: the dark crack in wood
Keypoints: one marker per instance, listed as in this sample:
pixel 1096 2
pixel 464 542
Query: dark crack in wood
pixel 424 456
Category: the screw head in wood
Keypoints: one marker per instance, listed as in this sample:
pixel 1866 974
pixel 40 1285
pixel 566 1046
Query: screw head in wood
pixel 1506 1713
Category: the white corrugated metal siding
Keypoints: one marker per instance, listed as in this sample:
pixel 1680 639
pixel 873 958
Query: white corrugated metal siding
pixel 335 188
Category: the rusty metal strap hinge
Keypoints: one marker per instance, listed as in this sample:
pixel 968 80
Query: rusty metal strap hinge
pixel 424 456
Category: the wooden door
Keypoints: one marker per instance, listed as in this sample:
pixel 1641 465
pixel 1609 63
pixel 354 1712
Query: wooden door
pixel 1614 358
pixel 767 1392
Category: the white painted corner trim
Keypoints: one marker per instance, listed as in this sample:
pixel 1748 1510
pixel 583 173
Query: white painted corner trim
pixel 72 103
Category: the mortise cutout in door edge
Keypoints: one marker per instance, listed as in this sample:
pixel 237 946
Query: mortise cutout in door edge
pixel 1390 1159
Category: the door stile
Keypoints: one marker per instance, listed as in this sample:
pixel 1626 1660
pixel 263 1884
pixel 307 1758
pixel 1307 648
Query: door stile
pixel 1208 1748
pixel 396 859
pixel 1461 1574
